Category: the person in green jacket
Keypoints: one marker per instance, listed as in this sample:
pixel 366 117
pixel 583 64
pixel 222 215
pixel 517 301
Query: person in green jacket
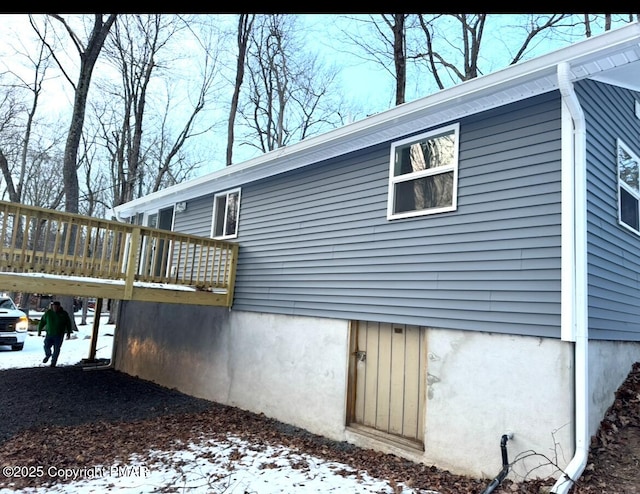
pixel 57 322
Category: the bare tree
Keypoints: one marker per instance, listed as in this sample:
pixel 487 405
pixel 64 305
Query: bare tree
pixel 382 39
pixel 88 56
pixel 458 47
pixel 10 110
pixel 136 41
pixel 453 58
pixel 270 79
pixel 289 95
pixel 396 23
pixel 245 25
pixel 17 120
pixel 394 37
pixel 145 151
pixel 43 176
pixel 472 27
pixel 21 151
pixel 172 167
pixel 170 161
pixel 95 184
pixel 592 21
pixel 537 25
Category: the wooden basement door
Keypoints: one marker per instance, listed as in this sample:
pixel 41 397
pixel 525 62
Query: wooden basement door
pixel 387 382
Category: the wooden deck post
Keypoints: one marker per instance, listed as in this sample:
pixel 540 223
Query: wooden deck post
pixel 132 264
pixel 97 312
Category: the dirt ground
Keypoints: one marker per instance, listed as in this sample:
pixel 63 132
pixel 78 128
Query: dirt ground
pixel 78 418
pixel 613 466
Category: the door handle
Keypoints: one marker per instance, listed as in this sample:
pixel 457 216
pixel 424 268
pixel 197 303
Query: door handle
pixel 361 356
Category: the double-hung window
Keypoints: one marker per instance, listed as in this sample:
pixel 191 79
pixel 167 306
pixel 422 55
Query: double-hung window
pixel 226 209
pixel 628 188
pixel 423 177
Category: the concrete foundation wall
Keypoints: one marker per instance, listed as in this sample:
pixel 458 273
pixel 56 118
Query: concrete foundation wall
pixel 609 365
pixel 294 369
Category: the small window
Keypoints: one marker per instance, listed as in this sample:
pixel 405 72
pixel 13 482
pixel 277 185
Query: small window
pixel 136 219
pixel 423 178
pixel 226 209
pixel 152 220
pixel 628 188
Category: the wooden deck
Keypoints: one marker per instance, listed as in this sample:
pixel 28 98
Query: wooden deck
pixel 47 251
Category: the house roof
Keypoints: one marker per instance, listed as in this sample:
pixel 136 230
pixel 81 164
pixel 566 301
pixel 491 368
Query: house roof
pixel 612 57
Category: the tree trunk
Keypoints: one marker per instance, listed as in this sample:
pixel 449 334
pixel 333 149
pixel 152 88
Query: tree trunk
pixel 87 63
pixel 113 307
pixel 245 23
pixel 399 57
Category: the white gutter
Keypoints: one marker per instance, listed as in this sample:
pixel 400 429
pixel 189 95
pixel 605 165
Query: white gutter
pixel 574 277
pixel 114 213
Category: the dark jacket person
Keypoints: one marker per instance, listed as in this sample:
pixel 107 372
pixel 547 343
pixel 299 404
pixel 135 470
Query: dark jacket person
pixel 57 323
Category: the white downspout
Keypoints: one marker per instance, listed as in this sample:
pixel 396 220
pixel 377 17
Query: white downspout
pixel 575 282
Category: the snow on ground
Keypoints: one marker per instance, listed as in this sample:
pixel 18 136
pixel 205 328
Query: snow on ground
pixel 73 350
pixel 232 467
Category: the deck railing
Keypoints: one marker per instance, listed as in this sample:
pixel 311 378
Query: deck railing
pixel 37 240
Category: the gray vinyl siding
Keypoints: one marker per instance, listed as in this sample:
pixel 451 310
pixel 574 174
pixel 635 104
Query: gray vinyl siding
pixel 196 220
pixel 613 251
pixel 316 241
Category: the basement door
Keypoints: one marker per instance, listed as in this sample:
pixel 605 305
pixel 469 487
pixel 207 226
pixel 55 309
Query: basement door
pixel 387 381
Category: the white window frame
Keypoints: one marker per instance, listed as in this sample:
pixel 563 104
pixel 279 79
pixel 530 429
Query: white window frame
pixel 152 220
pixel 453 167
pixel 622 184
pixel 226 194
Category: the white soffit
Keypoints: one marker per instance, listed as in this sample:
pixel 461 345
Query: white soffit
pixel 619 66
pixel 627 76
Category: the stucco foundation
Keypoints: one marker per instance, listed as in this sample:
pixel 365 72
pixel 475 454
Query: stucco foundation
pixel 289 368
pixel 609 365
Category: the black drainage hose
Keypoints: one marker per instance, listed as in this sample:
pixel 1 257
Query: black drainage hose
pixel 505 465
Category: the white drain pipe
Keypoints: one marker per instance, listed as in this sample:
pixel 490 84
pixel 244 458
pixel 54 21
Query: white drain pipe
pixel 575 327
